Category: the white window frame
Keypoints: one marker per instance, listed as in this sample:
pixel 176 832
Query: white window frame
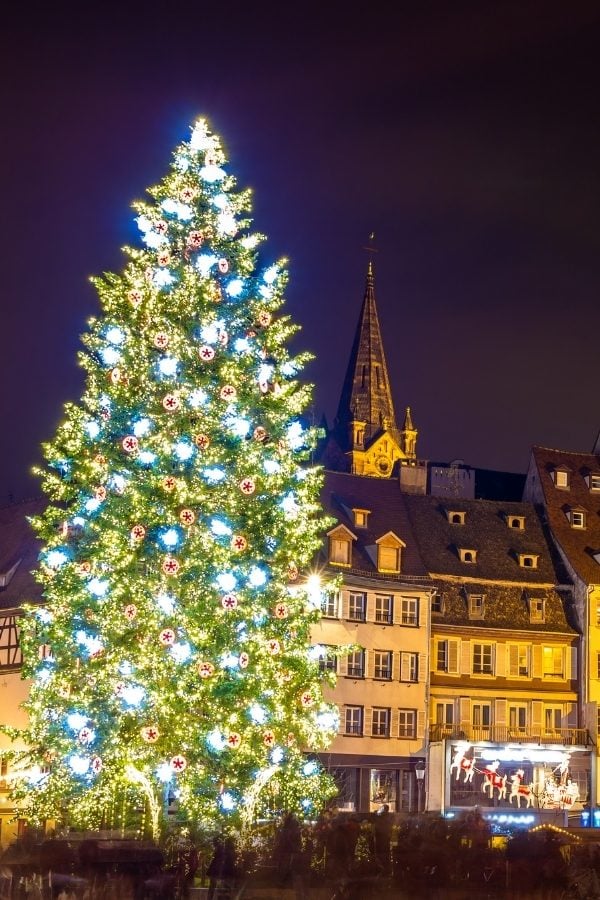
pixel 407 723
pixel 382 665
pixel 519 661
pixel 384 616
pixel 555 669
pixel 409 611
pixel 380 722
pixel 409 667
pixel 354 720
pixel 355 665
pixel 330 604
pixel 476 606
pixel 485 652
pixel 354 604
pixel 518 717
pixel 481 710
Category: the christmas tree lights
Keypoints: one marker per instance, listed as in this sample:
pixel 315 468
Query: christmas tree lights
pixel 181 510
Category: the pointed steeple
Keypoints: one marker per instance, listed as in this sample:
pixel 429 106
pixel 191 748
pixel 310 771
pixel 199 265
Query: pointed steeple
pixel 366 408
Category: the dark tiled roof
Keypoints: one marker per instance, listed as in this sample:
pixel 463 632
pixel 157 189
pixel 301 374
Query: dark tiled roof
pixel 486 531
pixel 18 545
pixel 387 505
pixel 504 607
pixel 577 544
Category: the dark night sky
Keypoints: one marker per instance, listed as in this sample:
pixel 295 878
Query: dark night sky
pixel 467 135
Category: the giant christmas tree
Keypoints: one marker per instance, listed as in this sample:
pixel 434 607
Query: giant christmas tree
pixel 182 517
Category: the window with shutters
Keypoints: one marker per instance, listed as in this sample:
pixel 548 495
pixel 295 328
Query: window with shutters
pixel 328 661
pixel 380 726
pixel 476 606
pixel 409 611
pixel 437 603
pixel 330 603
pixel 483 659
pixel 447 656
pixel 444 713
pixel 552 719
pixel 518 660
pixel 553 662
pixel 481 714
pixel 517 717
pixel 537 609
pixel 356 664
pixel 384 609
pixel 409 666
pixel 561 478
pixel 340 551
pixel 597 665
pixel 407 723
pixel 388 559
pixel 361 516
pixel 383 664
pixel 353 720
pixel 357 606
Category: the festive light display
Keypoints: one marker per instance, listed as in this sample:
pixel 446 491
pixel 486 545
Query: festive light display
pixel 181 509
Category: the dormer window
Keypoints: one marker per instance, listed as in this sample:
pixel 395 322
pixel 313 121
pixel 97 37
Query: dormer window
pixel 360 517
pixel 517 522
pixel 340 546
pixel 594 482
pixel 389 549
pixel 577 517
pixel 562 478
pixel 455 517
pixel 476 606
pixel 528 560
pixel 437 603
pixel 467 555
pixel 537 609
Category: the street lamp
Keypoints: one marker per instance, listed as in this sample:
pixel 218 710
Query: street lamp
pixel 420 773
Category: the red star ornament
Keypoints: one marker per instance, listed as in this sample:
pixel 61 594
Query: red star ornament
pixel 170 566
pixel 167 637
pixel 100 493
pixel 188 194
pixel 171 402
pixel 268 738
pixel 239 543
pixel 115 375
pixel 85 735
pixel 234 740
pixel 292 571
pixel 223 266
pixel 206 353
pixel 138 533
pixel 273 647
pixel 243 660
pixel 178 764
pixel 229 601
pixel 259 434
pixel 169 483
pixel 96 765
pixel 264 318
pixel 202 441
pixel 83 568
pixel 130 611
pixel 306 699
pixel 150 733
pixel 130 443
pixel 247 485
pixel 228 392
pixel 205 669
pixel 281 611
pixel 163 258
pixel 161 226
pixel 161 340
pixel 187 517
pixel 195 239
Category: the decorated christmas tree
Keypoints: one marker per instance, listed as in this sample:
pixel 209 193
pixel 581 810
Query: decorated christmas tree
pixel 183 513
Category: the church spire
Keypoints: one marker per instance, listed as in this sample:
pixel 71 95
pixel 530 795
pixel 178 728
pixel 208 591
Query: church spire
pixel 366 408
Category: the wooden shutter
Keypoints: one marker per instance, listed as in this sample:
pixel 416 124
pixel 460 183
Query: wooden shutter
pixel 536 716
pixel 368 723
pixel 342 665
pixel 573 663
pixel 500 659
pixel 465 658
pixel 421 723
pixel 393 664
pixel 370 663
pixel 453 648
pixel 342 723
pixel 465 710
pixel 404 666
pixel 537 661
pixel 394 719
pixel 500 712
pixel 513 660
pixel 344 605
pixel 422 667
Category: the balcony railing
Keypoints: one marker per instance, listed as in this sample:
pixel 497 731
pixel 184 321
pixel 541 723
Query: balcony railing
pixel 505 734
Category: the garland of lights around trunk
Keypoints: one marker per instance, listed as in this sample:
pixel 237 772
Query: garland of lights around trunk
pixel 182 513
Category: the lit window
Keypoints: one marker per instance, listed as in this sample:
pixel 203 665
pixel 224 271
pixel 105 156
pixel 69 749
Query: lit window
pixel 552 719
pixel 577 517
pixel 407 723
pixel 383 664
pixel 455 518
pixel 517 522
pixel 357 603
pixel 409 609
pixel 517 718
pixel 528 560
pixel 356 664
pixel 444 713
pixel 483 659
pixel 561 478
pixel 353 720
pixel 594 482
pixel 537 610
pixel 340 551
pixel 360 517
pixel 476 606
pixel 437 603
pixel 481 715
pixel 383 609
pixel 381 722
pixel 552 662
pixel 467 555
pixel 447 656
pixel 330 605
pixel 518 660
pixel 409 666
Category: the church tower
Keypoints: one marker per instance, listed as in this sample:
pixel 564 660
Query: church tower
pixel 365 438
